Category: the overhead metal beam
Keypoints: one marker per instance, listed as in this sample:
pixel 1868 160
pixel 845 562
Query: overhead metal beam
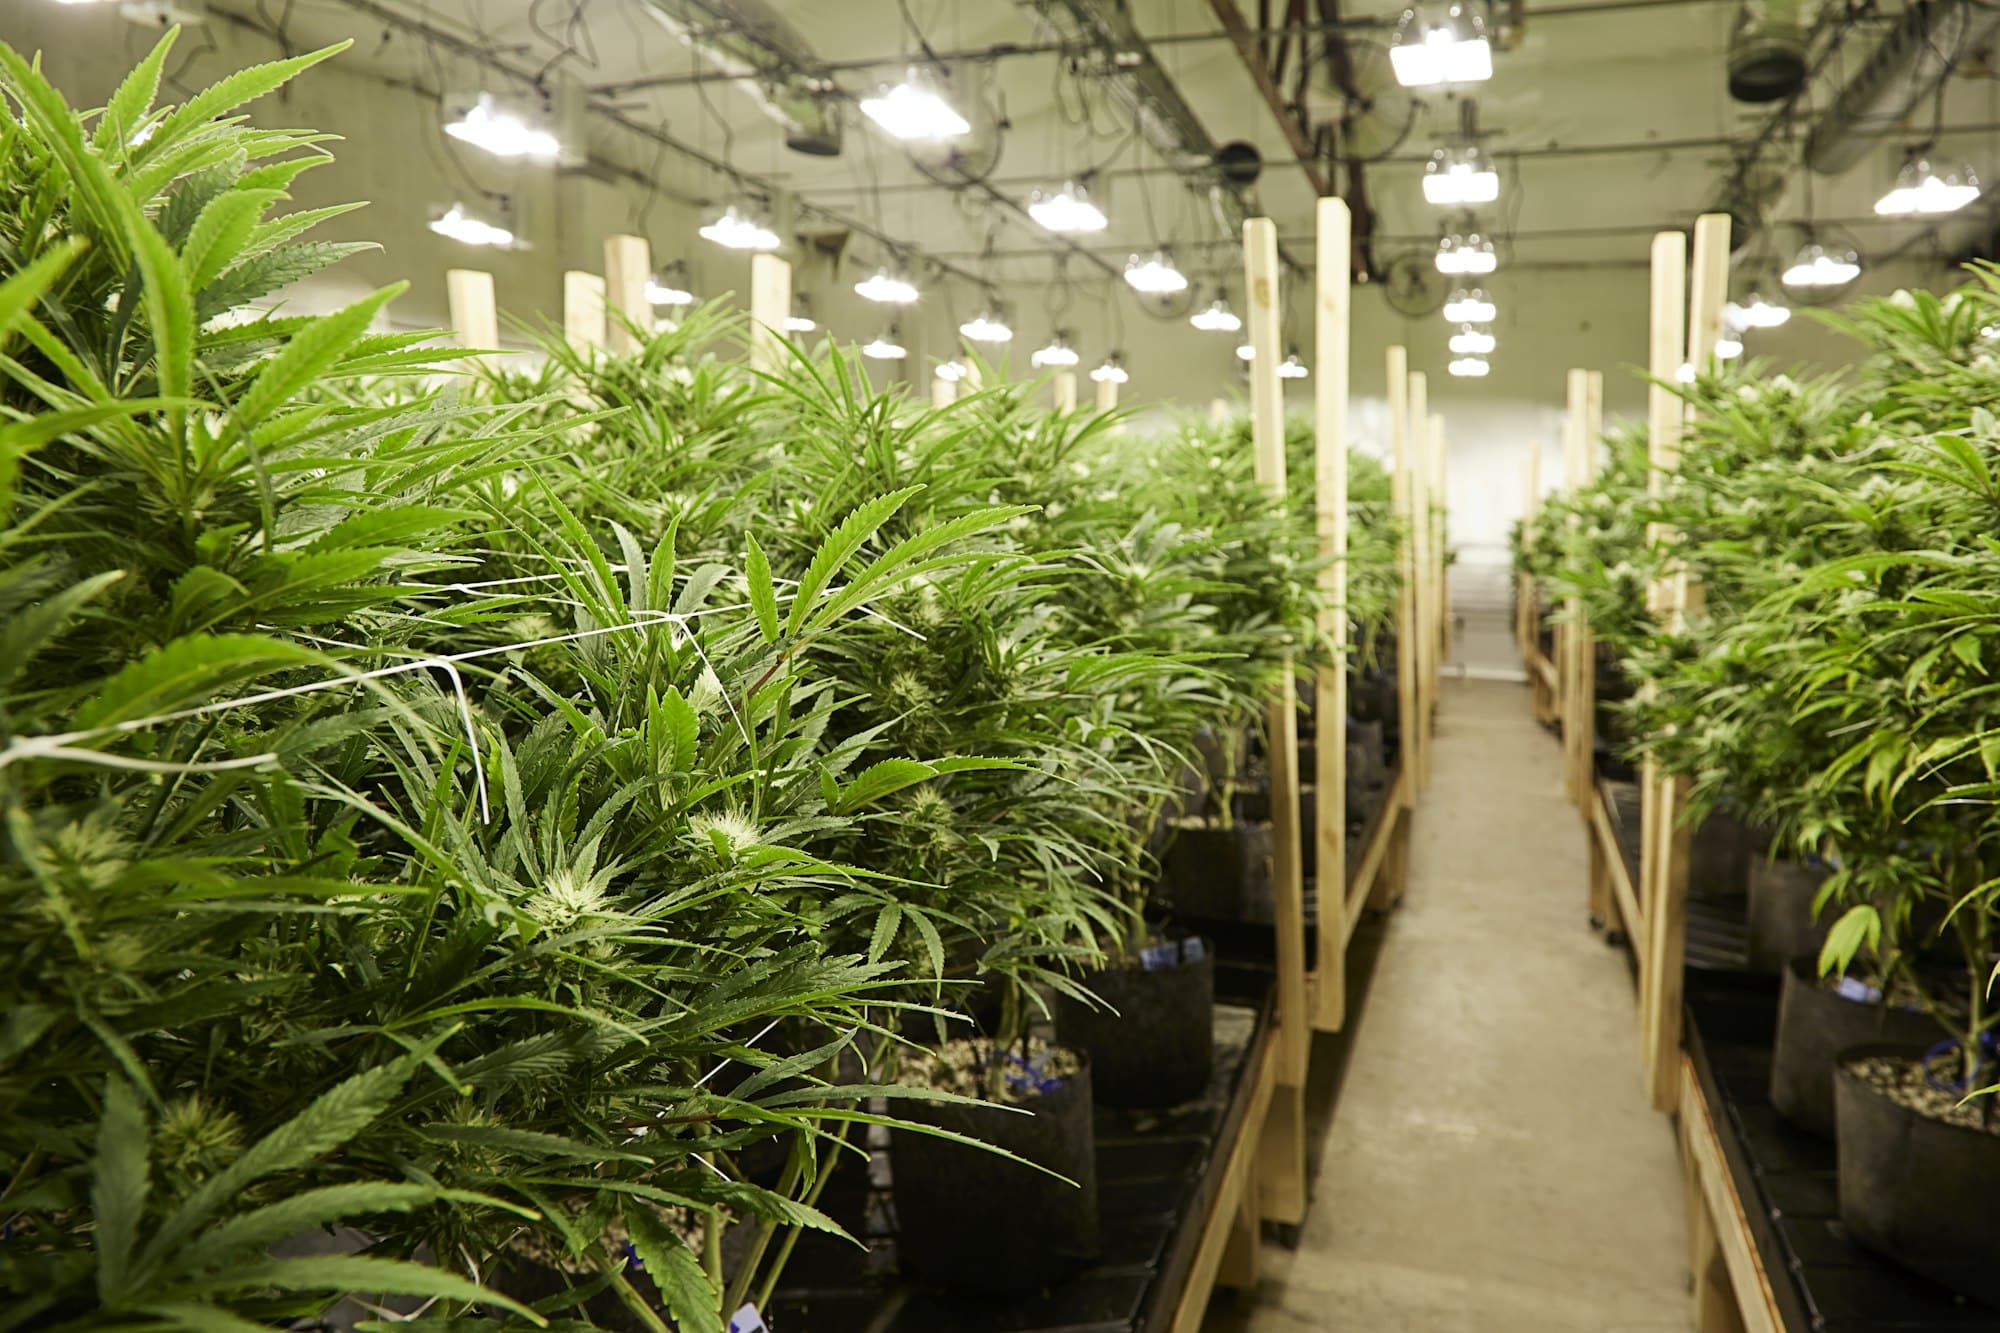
pixel 1246 39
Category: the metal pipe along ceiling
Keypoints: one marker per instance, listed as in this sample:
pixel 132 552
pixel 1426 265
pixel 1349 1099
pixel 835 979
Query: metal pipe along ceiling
pixel 758 48
pixel 1919 53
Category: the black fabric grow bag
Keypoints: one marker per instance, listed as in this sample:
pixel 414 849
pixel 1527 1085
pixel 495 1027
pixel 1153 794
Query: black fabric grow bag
pixel 1814 1026
pixel 1158 1048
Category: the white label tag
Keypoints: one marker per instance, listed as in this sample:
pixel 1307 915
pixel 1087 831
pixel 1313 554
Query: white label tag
pixel 747 1320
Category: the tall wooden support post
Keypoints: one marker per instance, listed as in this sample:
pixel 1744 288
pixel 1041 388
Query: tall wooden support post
pixel 1107 395
pixel 1440 553
pixel 1331 319
pixel 1062 385
pixel 474 316
pixel 1398 383
pixel 1526 636
pixel 583 309
pixel 1665 903
pixel 1218 411
pixel 770 304
pixel 1423 621
pixel 1576 639
pixel 1283 1153
pixel 944 392
pixel 628 265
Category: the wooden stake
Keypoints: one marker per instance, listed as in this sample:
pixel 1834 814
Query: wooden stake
pixel 1218 411
pixel 944 392
pixel 1440 604
pixel 583 309
pixel 1063 384
pixel 628 266
pixel 1666 912
pixel 770 305
pixel 1285 1176
pixel 1398 366
pixel 1107 395
pixel 1331 322
pixel 1576 643
pixel 474 316
pixel 1423 636
pixel 1524 592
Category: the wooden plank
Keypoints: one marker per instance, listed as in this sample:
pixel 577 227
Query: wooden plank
pixel 475 318
pixel 1107 395
pixel 1062 385
pixel 1423 643
pixel 1227 1255
pixel 1282 1168
pixel 628 265
pixel 583 309
pixel 1666 414
pixel 1576 708
pixel 1398 384
pixel 1331 322
pixel 1267 427
pixel 944 392
pixel 1440 607
pixel 1375 861
pixel 770 306
pixel 1617 875
pixel 1755 1303
pixel 1666 921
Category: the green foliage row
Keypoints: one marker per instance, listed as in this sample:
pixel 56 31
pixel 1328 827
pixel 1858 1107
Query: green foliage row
pixel 1835 681
pixel 521 816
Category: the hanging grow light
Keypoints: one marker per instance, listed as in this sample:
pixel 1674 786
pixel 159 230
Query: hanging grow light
pixel 1439 45
pixel 491 128
pixel 1057 353
pixel 1470 367
pixel 1728 347
pixel 952 371
pixel 463 227
pixel 915 110
pixel 1757 312
pixel 1470 306
pixel 1468 255
pixel 1816 266
pixel 801 319
pixel 737 230
pixel 886 287
pixel 670 286
pixel 1111 370
pixel 887 346
pixel 1458 177
pixel 1920 192
pixel 1685 374
pixel 1068 209
pixel 1155 274
pixel 1470 341
pixel 990 326
pixel 1216 317
pixel 1292 368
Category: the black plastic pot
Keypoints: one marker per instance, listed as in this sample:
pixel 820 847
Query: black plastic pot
pixel 1158 1048
pixel 1222 874
pixel 974 1219
pixel 1719 857
pixel 1781 921
pixel 1814 1026
pixel 1914 1189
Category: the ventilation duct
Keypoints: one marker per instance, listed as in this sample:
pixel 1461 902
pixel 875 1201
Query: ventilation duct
pixel 1129 71
pixel 758 48
pixel 1767 51
pixel 1928 41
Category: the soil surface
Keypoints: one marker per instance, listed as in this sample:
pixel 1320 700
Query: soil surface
pixel 1902 1081
pixel 960 1066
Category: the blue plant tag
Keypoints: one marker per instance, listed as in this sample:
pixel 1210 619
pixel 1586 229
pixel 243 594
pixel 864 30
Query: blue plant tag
pixel 747 1320
pixel 1193 950
pixel 1848 988
pixel 1159 956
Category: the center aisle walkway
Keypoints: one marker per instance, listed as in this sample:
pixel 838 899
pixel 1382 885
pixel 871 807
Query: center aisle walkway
pixel 1492 1165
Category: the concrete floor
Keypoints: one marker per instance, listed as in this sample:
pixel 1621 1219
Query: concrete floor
pixel 1492 1165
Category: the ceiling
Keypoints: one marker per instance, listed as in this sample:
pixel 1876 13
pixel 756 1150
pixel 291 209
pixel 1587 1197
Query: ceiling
pixel 1609 121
